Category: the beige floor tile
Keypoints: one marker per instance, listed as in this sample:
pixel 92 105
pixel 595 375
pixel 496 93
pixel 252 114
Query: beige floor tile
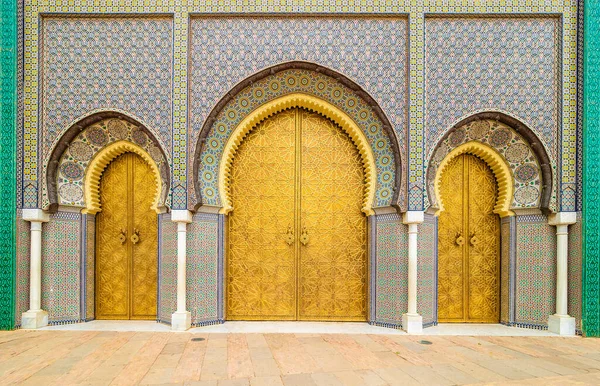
pixel 266 381
pixel 298 380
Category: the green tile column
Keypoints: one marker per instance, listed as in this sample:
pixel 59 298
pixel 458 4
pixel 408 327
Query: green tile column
pixel 591 169
pixel 8 117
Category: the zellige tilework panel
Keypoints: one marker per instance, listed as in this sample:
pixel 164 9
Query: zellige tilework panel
pixel 23 267
pixel 427 270
pixel 202 254
pixel 99 63
pixel 575 270
pixel 167 269
pixel 535 271
pixel 61 267
pixel 391 277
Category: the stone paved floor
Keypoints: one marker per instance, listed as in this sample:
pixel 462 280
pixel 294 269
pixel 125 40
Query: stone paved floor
pixel 124 358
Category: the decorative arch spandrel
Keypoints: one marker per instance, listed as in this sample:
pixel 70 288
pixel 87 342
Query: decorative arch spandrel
pixel 314 81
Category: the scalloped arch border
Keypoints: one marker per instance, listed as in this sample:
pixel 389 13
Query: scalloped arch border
pixel 495 162
pixel 101 161
pixel 313 104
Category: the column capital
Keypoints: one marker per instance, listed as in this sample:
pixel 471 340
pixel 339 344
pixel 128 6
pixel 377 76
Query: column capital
pixel 413 217
pixel 181 215
pixel 38 215
pixel 562 218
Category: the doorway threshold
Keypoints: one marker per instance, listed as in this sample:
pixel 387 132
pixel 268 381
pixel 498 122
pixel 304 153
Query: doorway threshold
pixel 267 327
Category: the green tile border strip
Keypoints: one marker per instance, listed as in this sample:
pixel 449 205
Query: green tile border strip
pixel 8 118
pixel 591 169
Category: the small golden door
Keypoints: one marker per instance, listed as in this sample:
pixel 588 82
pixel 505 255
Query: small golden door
pixel 126 241
pixel 468 243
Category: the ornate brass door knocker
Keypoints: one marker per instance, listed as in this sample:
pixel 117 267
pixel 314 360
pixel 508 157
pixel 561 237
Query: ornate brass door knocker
pixel 474 239
pixel 460 240
pixel 123 236
pixel 289 236
pixel 135 237
pixel 304 236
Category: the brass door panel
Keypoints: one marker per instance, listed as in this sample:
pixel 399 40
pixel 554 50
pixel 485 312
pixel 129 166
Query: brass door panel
pixel 126 242
pixel 297 236
pixel 332 277
pixel 468 243
pixel 261 266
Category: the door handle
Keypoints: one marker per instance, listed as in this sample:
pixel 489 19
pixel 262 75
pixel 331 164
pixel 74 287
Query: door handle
pixel 304 236
pixel 123 236
pixel 460 240
pixel 289 236
pixel 135 237
pixel 474 239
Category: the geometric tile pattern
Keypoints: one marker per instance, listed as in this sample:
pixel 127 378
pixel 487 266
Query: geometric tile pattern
pixel 226 50
pixel 74 162
pixel 427 270
pixel 23 256
pixel 91 63
pixel 287 82
pixel 167 268
pixel 61 267
pixel 514 150
pixel 202 254
pixel 591 170
pixel 535 271
pixel 498 63
pixel 90 263
pixel 575 270
pixel 391 276
pixel 9 79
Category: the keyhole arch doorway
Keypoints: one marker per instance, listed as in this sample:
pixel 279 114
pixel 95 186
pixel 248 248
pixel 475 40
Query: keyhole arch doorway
pixel 297 188
pixel 474 188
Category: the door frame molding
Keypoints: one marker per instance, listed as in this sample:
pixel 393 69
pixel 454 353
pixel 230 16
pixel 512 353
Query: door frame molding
pixel 312 103
pixel 101 161
pixel 499 167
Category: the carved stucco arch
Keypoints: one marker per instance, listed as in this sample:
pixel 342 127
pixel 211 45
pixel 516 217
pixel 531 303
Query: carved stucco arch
pixel 311 103
pixel 495 162
pixel 547 200
pixel 50 194
pixel 397 191
pixel 101 161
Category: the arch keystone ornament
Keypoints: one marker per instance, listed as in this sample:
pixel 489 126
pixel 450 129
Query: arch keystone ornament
pixel 310 103
pixel 101 161
pixel 496 163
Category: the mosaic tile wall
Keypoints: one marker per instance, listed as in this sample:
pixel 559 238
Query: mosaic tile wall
pixel 477 63
pixel 226 50
pixel 90 267
pixel 427 271
pixel 535 271
pixel 23 253
pixel 202 255
pixel 85 147
pixel 391 270
pixel 61 265
pixel 167 268
pixel 99 63
pixel 508 239
pixel 514 149
pixel 575 270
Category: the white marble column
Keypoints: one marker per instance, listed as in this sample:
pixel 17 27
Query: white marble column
pixel 412 322
pixel 561 323
pixel 35 317
pixel 181 319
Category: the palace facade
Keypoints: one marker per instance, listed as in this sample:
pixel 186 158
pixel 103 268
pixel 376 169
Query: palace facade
pixel 398 163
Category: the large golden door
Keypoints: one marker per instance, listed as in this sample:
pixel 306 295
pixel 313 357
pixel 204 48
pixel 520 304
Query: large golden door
pixel 468 243
pixel 297 236
pixel 126 241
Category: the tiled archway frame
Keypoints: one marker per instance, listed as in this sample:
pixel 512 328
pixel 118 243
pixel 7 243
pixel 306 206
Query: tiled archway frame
pixel 527 160
pixel 289 78
pixel 70 162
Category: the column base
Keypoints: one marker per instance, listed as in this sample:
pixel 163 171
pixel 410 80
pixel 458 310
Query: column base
pixel 413 324
pixel 561 324
pixel 181 321
pixel 34 319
